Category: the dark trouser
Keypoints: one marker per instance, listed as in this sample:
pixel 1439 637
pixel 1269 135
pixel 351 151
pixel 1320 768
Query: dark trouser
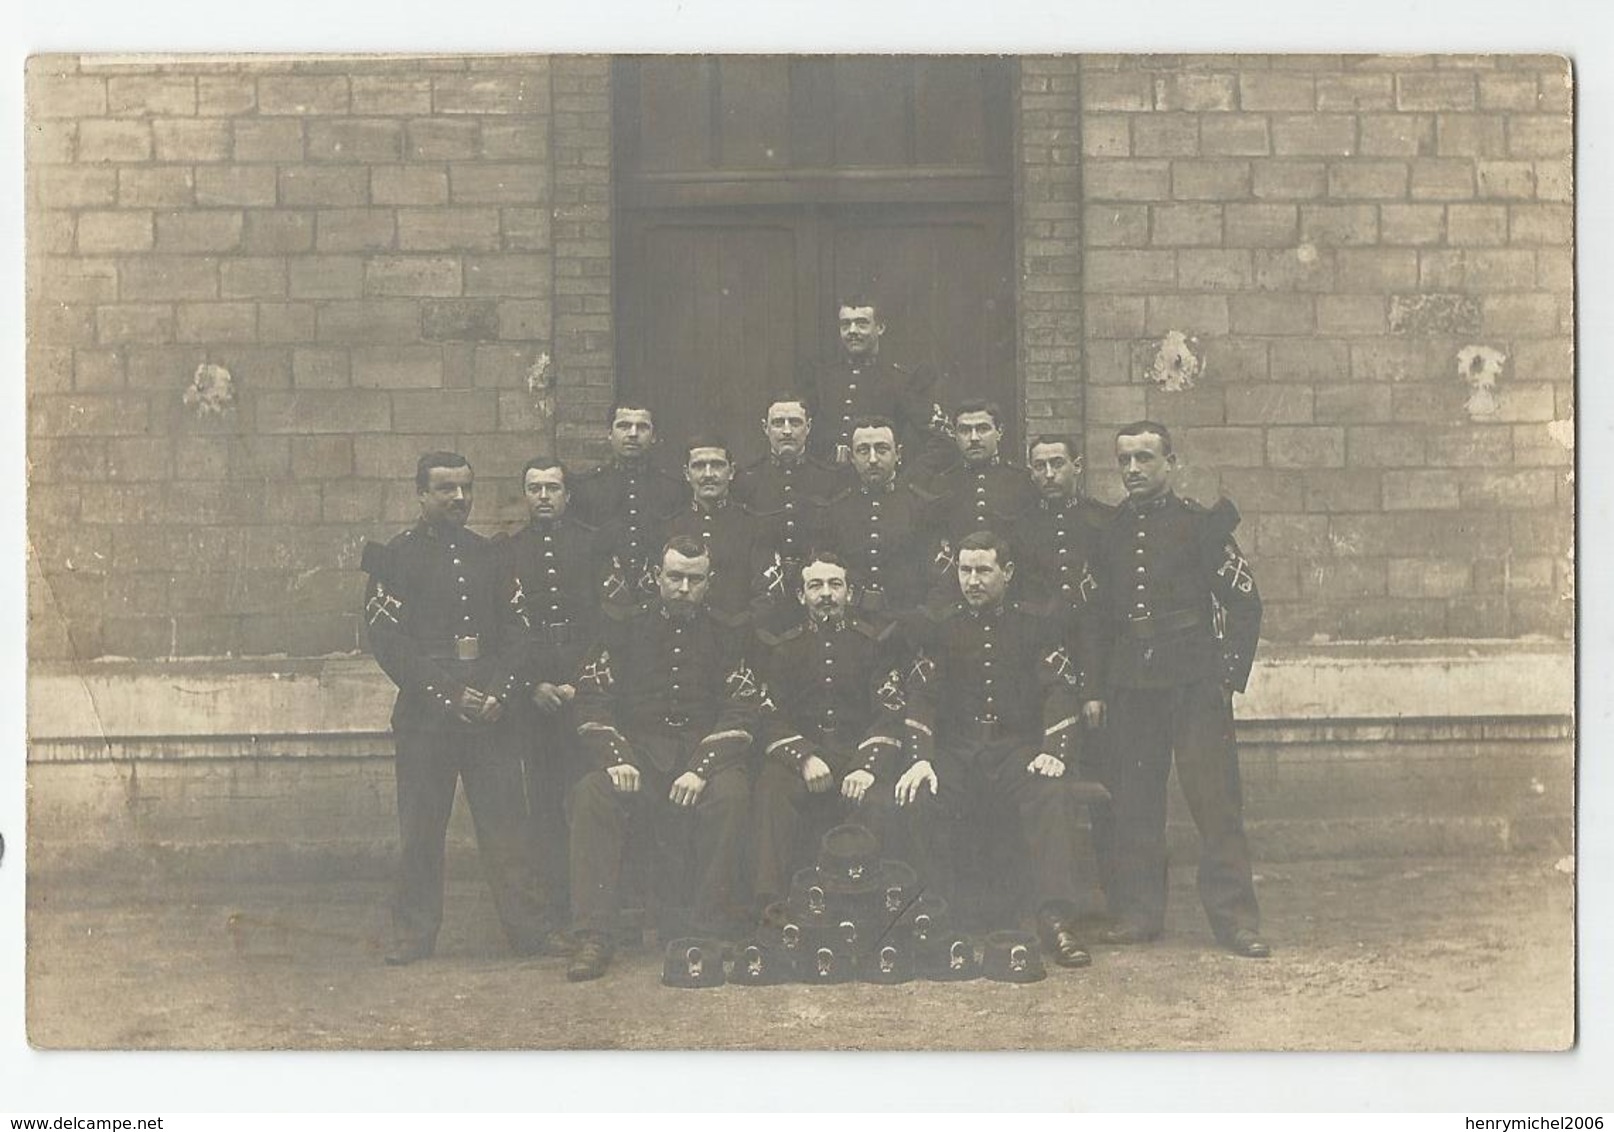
pixel 551 769
pixel 1020 827
pixel 694 849
pixel 1196 722
pixel 790 820
pixel 430 761
pixel 1096 765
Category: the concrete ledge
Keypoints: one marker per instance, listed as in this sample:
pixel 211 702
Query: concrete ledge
pixel 349 695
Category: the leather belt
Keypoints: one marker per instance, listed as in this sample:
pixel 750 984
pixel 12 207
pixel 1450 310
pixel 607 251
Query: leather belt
pixel 1148 627
pixel 676 722
pixel 984 729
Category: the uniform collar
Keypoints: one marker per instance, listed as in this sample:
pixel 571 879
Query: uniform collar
pixel 818 626
pixel 887 489
pixel 773 459
pixel 700 508
pixel 1152 505
pixel 441 532
pixel 1064 503
pixel 668 615
pixel 990 613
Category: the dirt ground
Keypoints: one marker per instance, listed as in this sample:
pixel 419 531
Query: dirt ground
pixel 1386 954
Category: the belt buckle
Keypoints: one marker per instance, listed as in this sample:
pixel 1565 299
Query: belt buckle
pixel 1140 616
pixel 468 648
pixel 675 721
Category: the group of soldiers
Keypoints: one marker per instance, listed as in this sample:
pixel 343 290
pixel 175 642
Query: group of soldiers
pixel 679 683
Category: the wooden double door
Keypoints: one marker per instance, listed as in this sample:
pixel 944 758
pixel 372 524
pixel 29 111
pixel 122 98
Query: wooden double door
pixel 729 269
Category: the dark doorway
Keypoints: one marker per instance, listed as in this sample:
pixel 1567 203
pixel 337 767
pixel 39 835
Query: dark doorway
pixel 754 193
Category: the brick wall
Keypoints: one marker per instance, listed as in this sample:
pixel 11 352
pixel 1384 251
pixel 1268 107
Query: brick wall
pixel 380 252
pixel 1328 234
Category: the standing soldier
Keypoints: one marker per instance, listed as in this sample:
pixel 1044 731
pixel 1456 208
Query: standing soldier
pixel 441 629
pixel 979 492
pixel 665 714
pixel 998 693
pixel 712 518
pixel 552 568
pixel 860 384
pixel 627 499
pixel 1180 602
pixel 879 524
pixel 831 724
pixel 786 488
pixel 1059 540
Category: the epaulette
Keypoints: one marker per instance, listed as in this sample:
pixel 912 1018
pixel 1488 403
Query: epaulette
pixel 376 560
pixel 925 497
pixel 1226 515
pixel 730 620
pixel 945 613
pixel 849 489
pixel 875 631
pixel 596 470
pixel 617 611
pixel 772 639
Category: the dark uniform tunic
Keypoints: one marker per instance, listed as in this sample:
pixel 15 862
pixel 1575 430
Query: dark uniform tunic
pixel 995 689
pixel 844 390
pixel 787 498
pixel 740 555
pixel 553 571
pixel 439 622
pixel 627 502
pixel 883 535
pixel 667 693
pixel 833 690
pixel 1055 548
pixel 1178 601
pixel 994 497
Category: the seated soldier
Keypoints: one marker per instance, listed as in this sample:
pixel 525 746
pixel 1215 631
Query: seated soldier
pixel 831 725
pixel 993 727
pixel 665 709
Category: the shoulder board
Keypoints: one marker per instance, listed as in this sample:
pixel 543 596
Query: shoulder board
pixel 848 490
pixel 1225 515
pixel 616 611
pixel 942 613
pixel 921 494
pixel 729 620
pixel 596 470
pixel 874 630
pixel 772 639
pixel 376 560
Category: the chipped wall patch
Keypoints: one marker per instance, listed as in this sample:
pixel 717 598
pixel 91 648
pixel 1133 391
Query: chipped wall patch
pixel 1480 367
pixel 1175 364
pixel 211 391
pixel 538 374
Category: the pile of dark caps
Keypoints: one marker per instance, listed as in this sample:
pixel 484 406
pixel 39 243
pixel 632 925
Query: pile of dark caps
pixel 854 917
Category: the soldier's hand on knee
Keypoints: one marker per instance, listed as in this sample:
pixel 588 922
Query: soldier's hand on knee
pixel 1093 713
pixel 1046 764
pixel 686 789
pixel 816 773
pixel 914 779
pixel 856 784
pixel 624 777
pixel 547 697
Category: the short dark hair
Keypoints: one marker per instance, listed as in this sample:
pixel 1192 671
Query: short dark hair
pixel 708 441
pixel 629 403
pixel 875 422
pixel 980 405
pixel 1071 451
pixel 827 557
pixel 788 396
pixel 543 464
pixel 430 460
pixel 686 546
pixel 858 299
pixel 1145 428
pixel 987 540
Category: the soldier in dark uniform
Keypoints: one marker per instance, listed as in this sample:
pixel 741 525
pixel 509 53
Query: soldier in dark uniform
pixel 441 628
pixel 1179 599
pixel 731 533
pixel 786 489
pixel 627 499
pixel 553 573
pixel 831 725
pixel 993 729
pixel 859 383
pixel 979 492
pixel 880 524
pixel 1058 541
pixel 666 710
